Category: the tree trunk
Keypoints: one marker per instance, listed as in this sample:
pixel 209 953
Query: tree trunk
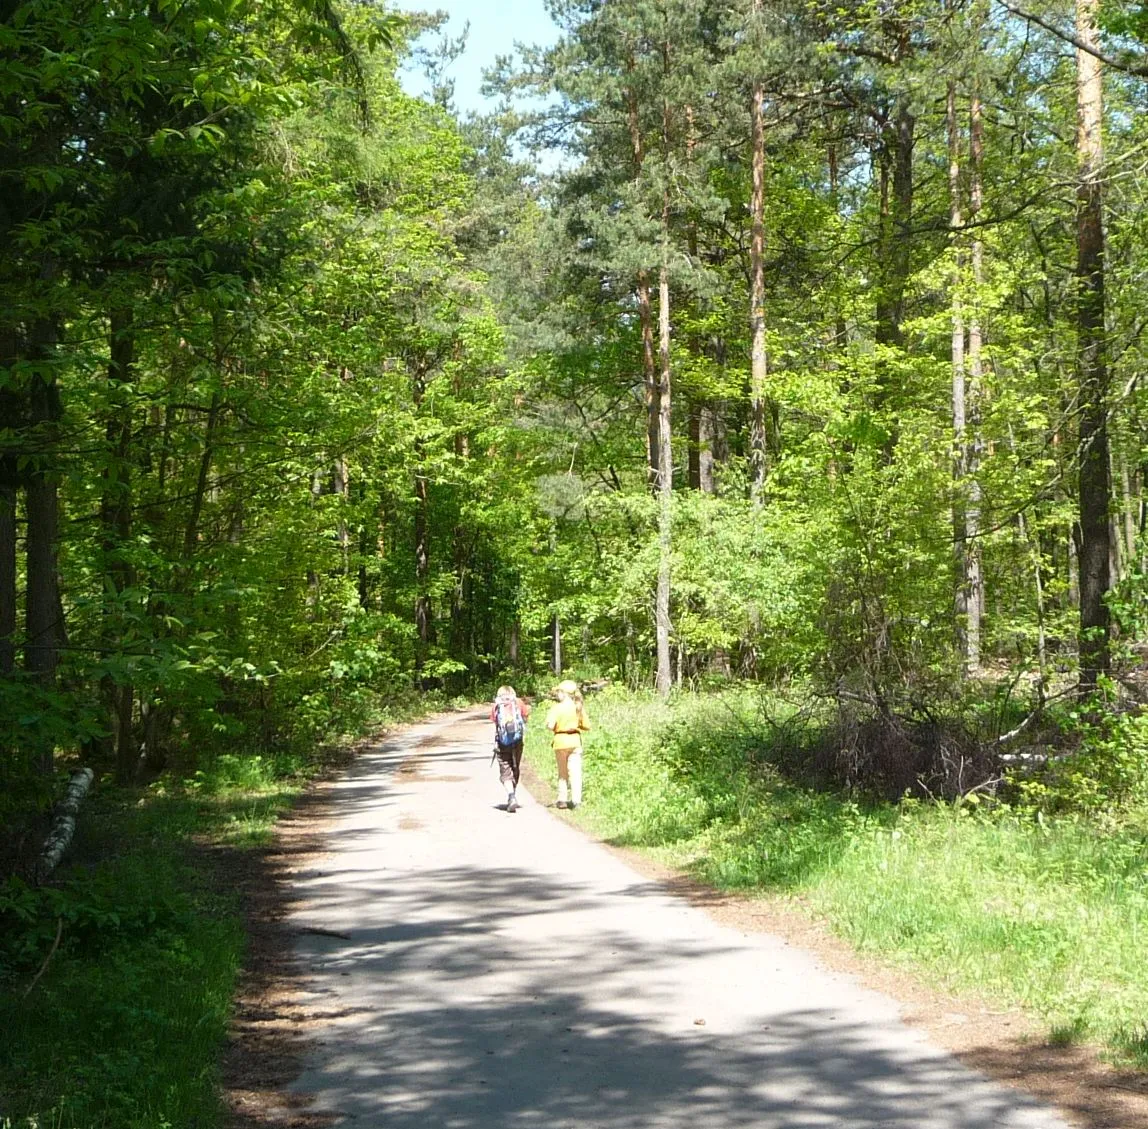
pixel 665 489
pixel 758 369
pixel 424 614
pixel 664 678
pixel 459 600
pixel 63 825
pixel 191 531
pixel 645 310
pixel 1092 368
pixel 556 645
pixel 895 158
pixel 1073 550
pixel 957 353
pixel 9 480
pixel 1129 514
pixel 1034 553
pixel 7 578
pixel 701 462
pixel 422 563
pixel 115 522
pixel 650 380
pixel 364 550
pixel 43 629
pixel 123 701
pixel 341 485
pixel 115 504
pixel 974 579
pixel 840 329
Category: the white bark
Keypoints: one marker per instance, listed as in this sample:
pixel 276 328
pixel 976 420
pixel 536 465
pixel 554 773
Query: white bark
pixel 63 825
pixel 957 354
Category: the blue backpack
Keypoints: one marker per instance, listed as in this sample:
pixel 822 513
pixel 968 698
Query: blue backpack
pixel 508 724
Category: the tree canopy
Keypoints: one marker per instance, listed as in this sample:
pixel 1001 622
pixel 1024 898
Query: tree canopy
pixel 814 356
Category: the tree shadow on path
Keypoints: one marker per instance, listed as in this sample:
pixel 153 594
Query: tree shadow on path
pixel 465 1023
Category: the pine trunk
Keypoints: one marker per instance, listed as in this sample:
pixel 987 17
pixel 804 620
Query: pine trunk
pixel 665 475
pixel 645 308
pixel 664 678
pixel 758 366
pixel 957 355
pixel 974 579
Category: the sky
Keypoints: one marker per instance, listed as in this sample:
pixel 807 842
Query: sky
pixel 495 26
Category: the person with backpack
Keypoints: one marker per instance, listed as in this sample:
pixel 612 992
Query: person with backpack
pixel 567 721
pixel 509 714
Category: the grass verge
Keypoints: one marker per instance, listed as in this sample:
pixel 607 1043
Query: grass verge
pixel 1048 914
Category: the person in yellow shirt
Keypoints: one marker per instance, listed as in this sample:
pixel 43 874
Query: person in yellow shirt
pixel 567 721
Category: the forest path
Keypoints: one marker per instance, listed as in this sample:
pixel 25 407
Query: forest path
pixel 505 970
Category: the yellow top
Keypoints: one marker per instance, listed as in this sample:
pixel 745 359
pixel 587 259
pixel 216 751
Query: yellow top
pixel 567 723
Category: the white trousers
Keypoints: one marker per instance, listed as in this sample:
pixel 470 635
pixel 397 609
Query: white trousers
pixel 569 769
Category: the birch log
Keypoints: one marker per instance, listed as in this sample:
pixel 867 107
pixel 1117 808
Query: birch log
pixel 63 825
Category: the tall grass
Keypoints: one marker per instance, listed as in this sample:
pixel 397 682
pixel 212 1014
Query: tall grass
pixel 1049 914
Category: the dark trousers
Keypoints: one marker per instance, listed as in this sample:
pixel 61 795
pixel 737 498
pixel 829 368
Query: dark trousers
pixel 509 764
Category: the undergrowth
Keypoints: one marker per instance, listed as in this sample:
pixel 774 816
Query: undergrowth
pixel 1036 903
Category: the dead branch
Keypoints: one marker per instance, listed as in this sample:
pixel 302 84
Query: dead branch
pixel 51 953
pixel 319 931
pixel 1128 61
pixel 1004 738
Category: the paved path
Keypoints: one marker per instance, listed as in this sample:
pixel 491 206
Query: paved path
pixel 502 970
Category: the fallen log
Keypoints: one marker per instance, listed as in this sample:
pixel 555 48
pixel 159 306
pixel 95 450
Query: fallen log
pixel 63 825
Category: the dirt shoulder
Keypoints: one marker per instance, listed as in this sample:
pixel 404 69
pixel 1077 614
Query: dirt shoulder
pixel 270 1029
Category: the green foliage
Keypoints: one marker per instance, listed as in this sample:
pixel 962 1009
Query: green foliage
pixel 1098 767
pixel 342 400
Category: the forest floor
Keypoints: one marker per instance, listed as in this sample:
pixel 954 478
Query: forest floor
pixel 396 879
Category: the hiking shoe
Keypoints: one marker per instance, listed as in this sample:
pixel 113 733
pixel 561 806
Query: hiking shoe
pixel 571 805
pixel 561 804
pixel 512 804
